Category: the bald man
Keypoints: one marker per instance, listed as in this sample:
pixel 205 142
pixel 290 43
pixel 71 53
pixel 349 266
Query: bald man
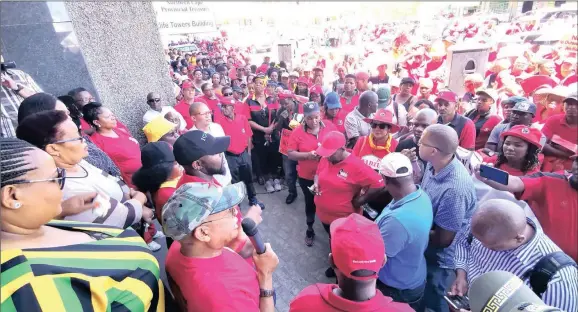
pixel 355 126
pixel 501 237
pixel 157 108
pixel 202 116
pixel 451 190
pixel 423 119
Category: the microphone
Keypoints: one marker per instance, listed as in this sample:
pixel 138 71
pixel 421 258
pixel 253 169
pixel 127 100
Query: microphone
pixel 252 231
pixel 501 291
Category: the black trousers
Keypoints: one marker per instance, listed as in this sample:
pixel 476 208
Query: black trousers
pixel 309 200
pixel 241 170
pixel 266 157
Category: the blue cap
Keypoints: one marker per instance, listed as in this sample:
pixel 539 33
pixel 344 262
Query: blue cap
pixel 526 107
pixel 515 100
pixel 310 108
pixel 332 100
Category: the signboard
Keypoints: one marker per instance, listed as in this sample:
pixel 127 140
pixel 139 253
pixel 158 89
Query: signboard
pixel 183 17
pixel 570 43
pixel 284 142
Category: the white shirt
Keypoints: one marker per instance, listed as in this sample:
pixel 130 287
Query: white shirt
pixel 217 131
pixel 152 114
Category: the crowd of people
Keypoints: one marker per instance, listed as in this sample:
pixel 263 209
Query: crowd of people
pixel 389 160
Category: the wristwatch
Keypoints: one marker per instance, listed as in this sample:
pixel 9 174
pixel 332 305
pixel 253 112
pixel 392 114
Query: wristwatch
pixel 264 293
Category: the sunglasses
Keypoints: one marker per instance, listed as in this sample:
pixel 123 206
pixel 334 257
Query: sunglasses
pixel 228 94
pixel 81 139
pixel 380 125
pixel 60 178
pixel 153 100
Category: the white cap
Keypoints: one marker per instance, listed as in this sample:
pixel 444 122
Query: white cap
pixel 395 165
pixel 294 74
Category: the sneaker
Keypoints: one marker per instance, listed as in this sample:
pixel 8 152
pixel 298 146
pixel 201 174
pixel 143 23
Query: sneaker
pixel 154 246
pixel 269 186
pixel 329 272
pixel 277 185
pixel 159 234
pixel 255 202
pixel 309 236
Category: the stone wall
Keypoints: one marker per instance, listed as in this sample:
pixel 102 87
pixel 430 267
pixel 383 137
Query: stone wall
pixel 124 55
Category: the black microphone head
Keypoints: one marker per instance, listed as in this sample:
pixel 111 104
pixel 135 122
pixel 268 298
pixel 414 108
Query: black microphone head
pixel 249 226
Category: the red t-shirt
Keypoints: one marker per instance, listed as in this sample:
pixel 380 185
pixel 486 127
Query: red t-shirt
pixel 183 108
pixel 508 169
pixel 555 204
pixel 485 128
pixel 347 107
pixel 338 121
pixel 239 131
pixel 160 198
pixel 557 125
pixel 223 283
pixel 321 298
pixel 213 105
pixel 85 126
pixel 124 152
pixel 339 184
pixel 372 157
pixel 301 141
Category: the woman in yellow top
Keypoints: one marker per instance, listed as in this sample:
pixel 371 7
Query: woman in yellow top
pixel 50 265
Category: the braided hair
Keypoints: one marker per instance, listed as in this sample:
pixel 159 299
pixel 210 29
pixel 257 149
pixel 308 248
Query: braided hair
pixel 12 160
pixel 530 160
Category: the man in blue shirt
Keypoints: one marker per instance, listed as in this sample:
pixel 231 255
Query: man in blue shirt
pixel 404 225
pixel 451 190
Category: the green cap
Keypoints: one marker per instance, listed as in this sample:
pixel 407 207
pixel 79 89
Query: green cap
pixel 192 203
pixel 383 95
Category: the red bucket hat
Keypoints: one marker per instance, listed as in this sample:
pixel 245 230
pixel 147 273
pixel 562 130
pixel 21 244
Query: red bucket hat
pixel 531 84
pixel 386 117
pixel 530 135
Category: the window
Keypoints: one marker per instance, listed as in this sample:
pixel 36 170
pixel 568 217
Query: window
pixel 470 67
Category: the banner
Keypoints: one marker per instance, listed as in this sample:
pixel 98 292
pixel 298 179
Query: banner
pixel 183 17
pixel 284 142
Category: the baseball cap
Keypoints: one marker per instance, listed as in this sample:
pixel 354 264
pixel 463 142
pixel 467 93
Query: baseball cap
pixel 332 100
pixel 515 100
pixel 187 84
pixel 285 74
pixel 447 96
pixel 383 95
pixel 572 96
pixel 156 153
pixel 526 107
pixel 333 141
pixel 310 108
pixel 294 74
pixel 228 101
pixel 237 89
pixel 408 80
pixel 489 92
pixel 156 128
pixel 316 89
pixel 192 203
pixel 285 94
pixel 356 244
pixel 530 135
pixel 362 76
pixel 426 83
pixel 395 165
pixel 195 144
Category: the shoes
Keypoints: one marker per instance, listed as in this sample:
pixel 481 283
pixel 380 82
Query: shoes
pixel 309 236
pixel 255 202
pixel 290 198
pixel 277 185
pixel 154 246
pixel 159 234
pixel 269 186
pixel 260 180
pixel 329 272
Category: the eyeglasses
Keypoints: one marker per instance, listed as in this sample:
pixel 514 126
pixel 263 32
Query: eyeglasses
pixel 204 114
pixel 420 143
pixel 153 100
pixel 228 94
pixel 81 139
pixel 380 125
pixel 60 178
pixel 232 214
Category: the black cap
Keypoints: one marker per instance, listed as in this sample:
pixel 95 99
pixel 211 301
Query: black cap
pixel 195 144
pixel 407 80
pixel 156 153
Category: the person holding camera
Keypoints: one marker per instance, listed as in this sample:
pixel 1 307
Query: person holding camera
pixel 16 86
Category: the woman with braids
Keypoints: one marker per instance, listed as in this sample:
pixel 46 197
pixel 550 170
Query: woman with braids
pixel 519 153
pixel 50 265
pixel 40 102
pixel 56 134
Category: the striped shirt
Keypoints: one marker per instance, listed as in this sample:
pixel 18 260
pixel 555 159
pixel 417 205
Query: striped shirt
pixel 453 199
pixel 476 260
pixel 10 102
pixel 116 272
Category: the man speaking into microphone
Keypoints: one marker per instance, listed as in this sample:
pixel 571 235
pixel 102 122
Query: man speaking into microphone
pixel 203 274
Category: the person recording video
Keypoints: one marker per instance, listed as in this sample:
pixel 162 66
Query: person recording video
pixel 16 86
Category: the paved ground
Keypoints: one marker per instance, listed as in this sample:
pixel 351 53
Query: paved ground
pixel 284 227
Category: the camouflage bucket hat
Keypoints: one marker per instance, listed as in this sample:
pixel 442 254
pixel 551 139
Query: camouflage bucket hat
pixel 192 203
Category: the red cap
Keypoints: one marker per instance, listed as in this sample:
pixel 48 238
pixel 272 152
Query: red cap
pixel 447 96
pixel 227 100
pixel 303 80
pixel 187 85
pixel 286 94
pixel 317 68
pixel 316 89
pixel 386 117
pixel 356 244
pixel 362 76
pixel 530 135
pixel 533 83
pixel 333 141
pixel 262 69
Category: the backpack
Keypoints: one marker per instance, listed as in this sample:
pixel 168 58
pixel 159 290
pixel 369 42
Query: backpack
pixel 541 274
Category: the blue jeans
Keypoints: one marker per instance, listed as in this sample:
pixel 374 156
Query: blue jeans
pixel 438 282
pixel 413 297
pixel 290 169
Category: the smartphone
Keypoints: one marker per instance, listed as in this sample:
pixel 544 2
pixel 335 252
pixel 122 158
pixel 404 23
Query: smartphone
pixel 458 302
pixel 494 174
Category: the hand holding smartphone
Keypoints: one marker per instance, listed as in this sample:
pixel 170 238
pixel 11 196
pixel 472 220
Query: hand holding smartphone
pixel 458 302
pixel 494 174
